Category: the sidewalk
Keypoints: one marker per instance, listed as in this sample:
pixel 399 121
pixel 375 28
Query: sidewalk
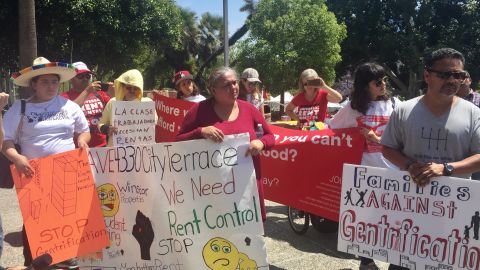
pixel 286 250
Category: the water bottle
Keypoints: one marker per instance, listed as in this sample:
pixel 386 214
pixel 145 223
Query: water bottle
pixel 259 131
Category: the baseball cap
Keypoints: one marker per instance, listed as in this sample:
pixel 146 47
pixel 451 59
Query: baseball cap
pixel 251 75
pixel 81 67
pixel 182 75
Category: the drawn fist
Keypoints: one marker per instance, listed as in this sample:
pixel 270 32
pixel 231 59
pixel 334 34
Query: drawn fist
pixel 143 232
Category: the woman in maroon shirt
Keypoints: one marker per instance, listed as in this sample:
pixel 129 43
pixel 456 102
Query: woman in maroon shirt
pixel 223 114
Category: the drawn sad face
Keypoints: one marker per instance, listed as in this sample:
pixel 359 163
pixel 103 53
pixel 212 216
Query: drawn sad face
pixel 220 254
pixel 109 200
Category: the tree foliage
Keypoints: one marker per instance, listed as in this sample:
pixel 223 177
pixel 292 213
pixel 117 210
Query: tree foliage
pixel 399 33
pixel 288 36
pixel 112 35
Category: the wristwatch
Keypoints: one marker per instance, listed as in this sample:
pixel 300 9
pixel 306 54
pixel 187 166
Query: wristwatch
pixel 447 169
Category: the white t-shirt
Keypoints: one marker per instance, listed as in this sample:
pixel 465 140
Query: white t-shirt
pixel 196 98
pixel 47 128
pixel 256 100
pixel 376 119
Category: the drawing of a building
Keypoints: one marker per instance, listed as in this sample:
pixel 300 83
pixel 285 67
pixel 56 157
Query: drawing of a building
pixel 64 185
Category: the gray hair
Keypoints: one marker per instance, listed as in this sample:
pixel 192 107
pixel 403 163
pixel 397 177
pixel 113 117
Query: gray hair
pixel 217 74
pixel 309 72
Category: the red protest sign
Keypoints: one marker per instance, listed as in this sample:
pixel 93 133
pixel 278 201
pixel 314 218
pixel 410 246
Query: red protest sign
pixel 304 168
pixel 170 112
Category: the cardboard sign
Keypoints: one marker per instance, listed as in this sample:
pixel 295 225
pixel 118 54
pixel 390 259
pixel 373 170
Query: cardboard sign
pixel 135 122
pixel 385 216
pixel 170 113
pixel 60 207
pixel 185 205
pixel 304 168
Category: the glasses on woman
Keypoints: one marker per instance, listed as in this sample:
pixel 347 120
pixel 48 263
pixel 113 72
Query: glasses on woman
pixel 379 81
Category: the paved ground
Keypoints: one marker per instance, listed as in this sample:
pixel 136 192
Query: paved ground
pixel 286 250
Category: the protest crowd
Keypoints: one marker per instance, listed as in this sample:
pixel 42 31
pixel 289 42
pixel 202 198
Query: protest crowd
pixel 393 131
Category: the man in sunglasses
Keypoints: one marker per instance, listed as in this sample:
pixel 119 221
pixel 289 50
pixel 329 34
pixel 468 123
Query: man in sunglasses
pixel 88 96
pixel 438 133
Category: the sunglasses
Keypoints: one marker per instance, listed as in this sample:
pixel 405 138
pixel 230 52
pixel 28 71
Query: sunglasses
pixel 379 81
pixel 457 75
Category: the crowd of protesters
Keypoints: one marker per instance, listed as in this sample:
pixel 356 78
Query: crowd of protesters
pixel 49 122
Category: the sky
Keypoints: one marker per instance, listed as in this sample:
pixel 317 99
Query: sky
pixel 235 17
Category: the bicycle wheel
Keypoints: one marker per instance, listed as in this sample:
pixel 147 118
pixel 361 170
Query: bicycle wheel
pixel 324 225
pixel 299 220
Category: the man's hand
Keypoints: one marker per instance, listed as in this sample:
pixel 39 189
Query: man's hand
pixel 93 87
pixel 423 172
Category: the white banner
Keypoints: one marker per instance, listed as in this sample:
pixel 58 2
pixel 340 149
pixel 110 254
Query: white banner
pixel 135 122
pixel 385 216
pixel 185 205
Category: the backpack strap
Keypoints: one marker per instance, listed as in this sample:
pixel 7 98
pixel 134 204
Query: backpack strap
pixel 393 102
pixel 23 105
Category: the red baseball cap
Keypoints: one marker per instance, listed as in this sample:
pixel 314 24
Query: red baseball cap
pixel 182 75
pixel 81 68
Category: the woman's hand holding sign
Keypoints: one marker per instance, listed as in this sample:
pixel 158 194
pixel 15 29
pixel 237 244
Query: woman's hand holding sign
pixel 213 134
pixel 256 146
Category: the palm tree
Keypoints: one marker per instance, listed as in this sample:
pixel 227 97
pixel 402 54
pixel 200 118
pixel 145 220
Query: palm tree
pixel 249 7
pixel 27 37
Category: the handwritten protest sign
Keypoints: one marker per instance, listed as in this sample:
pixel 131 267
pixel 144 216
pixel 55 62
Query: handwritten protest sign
pixel 385 216
pixel 135 122
pixel 60 208
pixel 304 168
pixel 170 113
pixel 185 205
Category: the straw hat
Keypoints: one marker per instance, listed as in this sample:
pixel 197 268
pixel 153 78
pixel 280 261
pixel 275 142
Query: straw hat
pixel 42 66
